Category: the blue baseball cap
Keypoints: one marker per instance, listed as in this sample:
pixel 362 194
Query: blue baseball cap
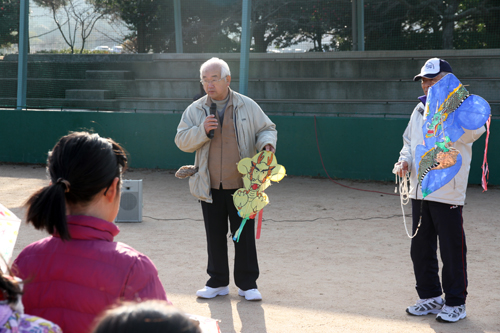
pixel 432 68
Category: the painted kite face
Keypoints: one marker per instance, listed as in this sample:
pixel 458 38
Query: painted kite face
pixel 260 170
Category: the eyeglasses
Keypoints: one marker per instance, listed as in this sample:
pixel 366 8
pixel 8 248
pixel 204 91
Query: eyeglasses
pixel 212 81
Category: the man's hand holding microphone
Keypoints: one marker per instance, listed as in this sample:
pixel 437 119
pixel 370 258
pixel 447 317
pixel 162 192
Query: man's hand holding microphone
pixel 210 122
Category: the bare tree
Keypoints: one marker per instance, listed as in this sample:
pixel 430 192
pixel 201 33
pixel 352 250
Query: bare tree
pixel 75 19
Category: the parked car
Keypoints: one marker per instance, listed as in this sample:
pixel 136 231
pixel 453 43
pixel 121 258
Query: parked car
pixel 117 49
pixel 102 48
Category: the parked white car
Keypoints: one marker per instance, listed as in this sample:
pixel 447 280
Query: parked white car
pixel 102 48
pixel 117 49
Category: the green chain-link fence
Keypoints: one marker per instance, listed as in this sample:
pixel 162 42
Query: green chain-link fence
pixel 277 26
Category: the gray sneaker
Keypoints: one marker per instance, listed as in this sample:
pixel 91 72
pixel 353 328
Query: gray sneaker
pixel 426 306
pixel 451 314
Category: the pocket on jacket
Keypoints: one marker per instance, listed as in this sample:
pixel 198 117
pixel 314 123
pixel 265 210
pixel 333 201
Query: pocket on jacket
pixel 194 181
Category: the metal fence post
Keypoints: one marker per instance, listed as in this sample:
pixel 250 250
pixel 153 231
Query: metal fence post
pixel 361 24
pixel 354 25
pixel 22 59
pixel 178 26
pixel 358 25
pixel 246 36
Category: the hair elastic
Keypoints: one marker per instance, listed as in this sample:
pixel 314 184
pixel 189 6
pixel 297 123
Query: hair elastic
pixel 65 182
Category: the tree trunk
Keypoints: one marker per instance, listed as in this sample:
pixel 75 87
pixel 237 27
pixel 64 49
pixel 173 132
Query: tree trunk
pixel 448 34
pixel 449 24
pixel 141 37
pixel 318 37
pixel 261 43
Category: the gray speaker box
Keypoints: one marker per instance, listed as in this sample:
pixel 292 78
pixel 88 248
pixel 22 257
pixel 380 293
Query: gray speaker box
pixel 131 201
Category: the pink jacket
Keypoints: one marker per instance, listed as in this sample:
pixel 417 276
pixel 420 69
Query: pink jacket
pixel 71 282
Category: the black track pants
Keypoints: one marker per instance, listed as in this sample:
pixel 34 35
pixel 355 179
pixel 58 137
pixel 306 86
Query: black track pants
pixel 443 223
pixel 246 267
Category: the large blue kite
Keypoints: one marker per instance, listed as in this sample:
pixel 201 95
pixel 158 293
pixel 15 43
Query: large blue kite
pixel 448 110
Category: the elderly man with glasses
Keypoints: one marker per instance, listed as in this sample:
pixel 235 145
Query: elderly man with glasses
pixel 238 129
pixel 439 218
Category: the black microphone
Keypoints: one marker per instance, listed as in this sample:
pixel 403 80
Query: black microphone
pixel 213 109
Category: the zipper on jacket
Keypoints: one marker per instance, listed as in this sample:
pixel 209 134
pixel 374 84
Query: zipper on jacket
pixel 221 157
pixel 235 108
pixel 221 152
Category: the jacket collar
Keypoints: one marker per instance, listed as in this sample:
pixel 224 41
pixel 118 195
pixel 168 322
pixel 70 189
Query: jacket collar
pixel 234 99
pixel 90 228
pixel 423 99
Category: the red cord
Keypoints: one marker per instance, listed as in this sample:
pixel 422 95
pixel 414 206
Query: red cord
pixel 259 224
pixel 352 188
pixel 486 170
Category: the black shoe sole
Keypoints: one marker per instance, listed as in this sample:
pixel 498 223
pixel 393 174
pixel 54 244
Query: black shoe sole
pixel 441 320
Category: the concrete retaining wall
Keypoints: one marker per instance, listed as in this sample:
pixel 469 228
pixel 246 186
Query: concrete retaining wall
pixel 347 83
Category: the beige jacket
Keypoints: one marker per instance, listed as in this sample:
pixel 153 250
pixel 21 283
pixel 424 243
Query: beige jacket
pixel 254 130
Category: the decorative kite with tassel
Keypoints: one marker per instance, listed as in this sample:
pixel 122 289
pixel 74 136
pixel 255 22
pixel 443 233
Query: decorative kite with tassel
pixel 258 172
pixel 448 110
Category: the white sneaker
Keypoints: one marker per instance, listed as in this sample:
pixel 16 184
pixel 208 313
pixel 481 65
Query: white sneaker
pixel 451 314
pixel 250 294
pixel 426 306
pixel 208 292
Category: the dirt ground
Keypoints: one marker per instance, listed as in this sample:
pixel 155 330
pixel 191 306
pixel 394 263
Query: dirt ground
pixel 332 259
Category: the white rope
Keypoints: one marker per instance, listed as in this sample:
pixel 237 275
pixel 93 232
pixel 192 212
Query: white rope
pixel 404 195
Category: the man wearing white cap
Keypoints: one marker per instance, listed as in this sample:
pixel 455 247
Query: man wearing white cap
pixel 440 215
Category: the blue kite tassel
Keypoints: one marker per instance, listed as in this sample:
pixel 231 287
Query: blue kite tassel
pixel 238 232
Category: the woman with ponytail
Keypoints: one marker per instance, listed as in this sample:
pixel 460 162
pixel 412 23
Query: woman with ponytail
pixel 79 270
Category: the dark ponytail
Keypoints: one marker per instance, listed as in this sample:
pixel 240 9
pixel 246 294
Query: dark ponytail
pixel 79 166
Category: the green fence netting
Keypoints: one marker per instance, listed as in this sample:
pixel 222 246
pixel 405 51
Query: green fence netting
pixel 277 25
pixel 319 28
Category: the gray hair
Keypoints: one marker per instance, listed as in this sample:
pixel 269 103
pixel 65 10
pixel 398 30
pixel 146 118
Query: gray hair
pixel 443 74
pixel 224 67
pixel 439 76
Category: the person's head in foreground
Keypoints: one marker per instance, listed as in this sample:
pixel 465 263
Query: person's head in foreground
pixel 432 71
pixel 85 173
pixel 148 316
